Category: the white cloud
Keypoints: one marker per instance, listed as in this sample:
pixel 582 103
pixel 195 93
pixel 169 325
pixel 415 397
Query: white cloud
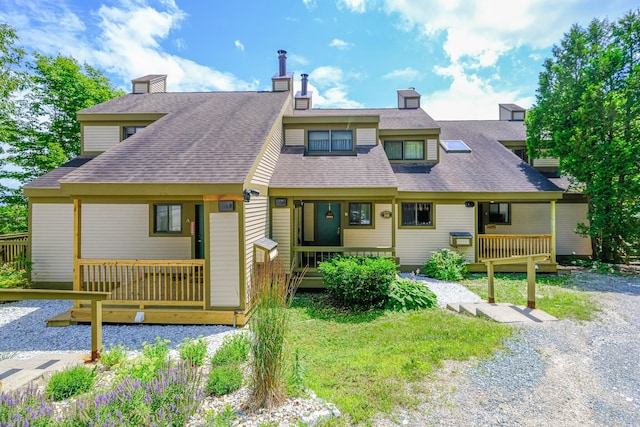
pixel 126 45
pixel 340 44
pixel 329 87
pixel 292 58
pixel 309 4
pixel 407 73
pixel 238 44
pixel 358 6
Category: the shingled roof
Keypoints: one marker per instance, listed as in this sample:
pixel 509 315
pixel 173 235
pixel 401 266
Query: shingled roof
pixel 52 179
pixel 489 167
pixel 203 138
pixel 390 118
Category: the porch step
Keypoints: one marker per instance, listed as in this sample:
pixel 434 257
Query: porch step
pixel 502 312
pixel 60 320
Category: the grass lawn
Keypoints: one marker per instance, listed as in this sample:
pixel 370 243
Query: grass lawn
pixel 364 362
pixel 554 294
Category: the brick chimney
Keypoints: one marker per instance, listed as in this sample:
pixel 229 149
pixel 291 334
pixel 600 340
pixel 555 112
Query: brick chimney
pixel 282 81
pixel 302 100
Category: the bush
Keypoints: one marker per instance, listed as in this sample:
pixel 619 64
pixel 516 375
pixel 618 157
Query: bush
pixel 70 382
pixel 446 264
pixel 359 282
pixel 234 349
pixel 193 351
pixel 114 356
pixel 224 380
pixel 407 294
pixel 13 277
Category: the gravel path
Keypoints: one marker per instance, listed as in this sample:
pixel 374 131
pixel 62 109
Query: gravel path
pixel 563 373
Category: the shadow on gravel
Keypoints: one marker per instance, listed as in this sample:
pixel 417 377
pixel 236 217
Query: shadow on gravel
pixel 22 328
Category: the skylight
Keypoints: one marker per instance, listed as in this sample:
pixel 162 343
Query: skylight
pixel 454 146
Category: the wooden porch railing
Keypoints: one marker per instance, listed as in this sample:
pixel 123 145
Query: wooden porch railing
pixel 511 245
pixel 144 282
pixel 311 256
pixel 14 248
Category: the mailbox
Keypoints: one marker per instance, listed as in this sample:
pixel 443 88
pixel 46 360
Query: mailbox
pixel 264 249
pixel 460 238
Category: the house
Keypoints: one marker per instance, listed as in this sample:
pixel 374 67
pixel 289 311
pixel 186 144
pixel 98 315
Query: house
pixel 176 195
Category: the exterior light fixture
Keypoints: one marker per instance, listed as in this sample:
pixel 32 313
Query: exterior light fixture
pixel 329 214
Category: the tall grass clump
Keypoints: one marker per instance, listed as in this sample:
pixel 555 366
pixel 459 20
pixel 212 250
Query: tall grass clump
pixel 271 294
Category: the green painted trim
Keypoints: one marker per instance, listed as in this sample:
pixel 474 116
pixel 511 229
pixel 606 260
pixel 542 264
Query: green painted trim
pixel 242 282
pixel 187 212
pixel 484 197
pixel 118 117
pixel 30 228
pixel 207 252
pixel 337 120
pixel 403 141
pixel 81 189
pixel 416 227
pixel 345 208
pixel 62 286
pixel 331 193
pixel 351 152
pixel 44 193
pixel 63 200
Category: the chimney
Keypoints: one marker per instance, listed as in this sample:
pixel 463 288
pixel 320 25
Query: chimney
pixel 302 100
pixel 408 99
pixel 151 83
pixel 282 81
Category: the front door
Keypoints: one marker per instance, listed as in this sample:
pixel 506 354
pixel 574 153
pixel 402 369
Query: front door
pixel 328 224
pixel 199 232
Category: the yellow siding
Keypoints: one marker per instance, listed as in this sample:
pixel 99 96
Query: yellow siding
pixel 121 231
pixel 309 221
pixel 281 85
pixel 268 161
pixel 281 232
pixel 159 86
pixel 546 162
pixel 432 149
pixel 140 87
pixel 366 136
pixel 52 242
pixel 526 218
pixel 380 236
pixel 100 138
pixel 568 215
pixel 256 226
pixel 414 247
pixel 294 136
pixel 225 259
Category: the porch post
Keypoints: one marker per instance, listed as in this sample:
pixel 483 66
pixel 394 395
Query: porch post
pixel 553 231
pixel 531 283
pixel 491 293
pixel 77 248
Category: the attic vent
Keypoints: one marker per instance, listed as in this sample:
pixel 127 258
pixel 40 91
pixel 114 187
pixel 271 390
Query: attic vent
pixel 455 146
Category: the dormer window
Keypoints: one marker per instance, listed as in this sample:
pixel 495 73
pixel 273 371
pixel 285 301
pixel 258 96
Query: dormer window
pixel 404 150
pixel 330 141
pixel 128 131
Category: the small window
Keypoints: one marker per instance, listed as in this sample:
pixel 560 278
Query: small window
pixel 417 214
pixel 499 213
pixel 359 213
pixel 404 150
pixel 330 141
pixel 167 219
pixel 128 131
pixel 455 146
pixel 522 153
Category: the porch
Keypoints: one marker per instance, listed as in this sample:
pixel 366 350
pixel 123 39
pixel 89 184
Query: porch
pixel 492 246
pixel 14 248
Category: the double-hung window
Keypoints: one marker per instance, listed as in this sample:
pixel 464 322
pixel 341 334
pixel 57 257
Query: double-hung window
pixel 167 218
pixel 323 141
pixel 417 214
pixel 359 213
pixel 404 150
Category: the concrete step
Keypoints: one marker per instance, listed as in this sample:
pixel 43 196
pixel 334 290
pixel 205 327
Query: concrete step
pixel 18 373
pixel 502 312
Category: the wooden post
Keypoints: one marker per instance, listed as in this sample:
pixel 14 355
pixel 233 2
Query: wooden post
pixel 77 277
pixel 96 330
pixel 553 231
pixel 531 283
pixel 491 295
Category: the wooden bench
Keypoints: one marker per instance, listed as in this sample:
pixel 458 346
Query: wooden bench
pixel 96 299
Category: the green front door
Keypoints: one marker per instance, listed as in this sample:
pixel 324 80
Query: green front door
pixel 328 224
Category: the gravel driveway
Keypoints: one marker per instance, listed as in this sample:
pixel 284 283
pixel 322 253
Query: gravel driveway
pixel 564 373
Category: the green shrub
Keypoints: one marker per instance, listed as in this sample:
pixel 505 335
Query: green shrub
pixel 234 349
pixel 70 382
pixel 224 380
pixel 114 356
pixel 147 366
pixel 407 294
pixel 446 264
pixel 159 350
pixel 193 351
pixel 13 277
pixel 359 282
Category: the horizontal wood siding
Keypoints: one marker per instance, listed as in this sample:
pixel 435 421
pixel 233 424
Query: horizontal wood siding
pixel 225 260
pixel 281 232
pixel 294 136
pixel 432 149
pixel 140 87
pixel 414 247
pixel 267 162
pixel 281 85
pixel 100 138
pixel 366 136
pixel 568 215
pixel 256 226
pixel 380 236
pixel 546 162
pixel 159 87
pixel 526 218
pixel 412 102
pixel 308 222
pixel 52 242
pixel 121 231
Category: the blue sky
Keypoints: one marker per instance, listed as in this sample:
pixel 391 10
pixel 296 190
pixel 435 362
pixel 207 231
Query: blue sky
pixel 463 56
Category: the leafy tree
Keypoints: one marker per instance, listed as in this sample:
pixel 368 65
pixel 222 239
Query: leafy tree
pixel 587 114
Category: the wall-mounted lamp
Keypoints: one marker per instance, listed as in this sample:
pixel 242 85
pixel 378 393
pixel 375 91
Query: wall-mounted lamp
pixel 469 204
pixel 329 214
pixel 246 195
